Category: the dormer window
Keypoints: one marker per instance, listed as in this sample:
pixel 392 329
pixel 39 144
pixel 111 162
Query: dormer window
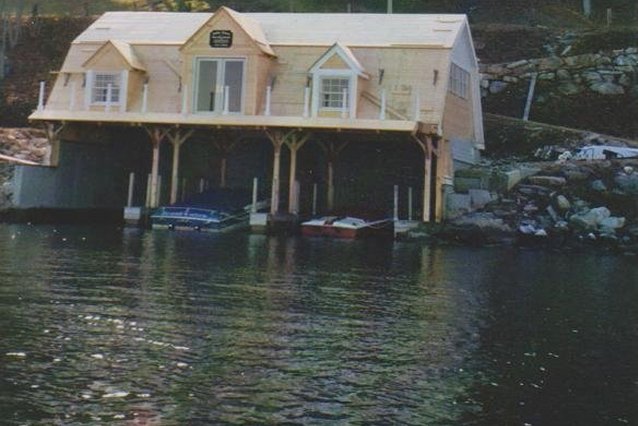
pixel 334 83
pixel 100 90
pixel 333 91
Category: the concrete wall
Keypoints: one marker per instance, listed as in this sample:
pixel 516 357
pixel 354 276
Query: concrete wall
pixel 89 176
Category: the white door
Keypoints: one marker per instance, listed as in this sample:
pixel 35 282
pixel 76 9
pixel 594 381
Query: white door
pixel 219 85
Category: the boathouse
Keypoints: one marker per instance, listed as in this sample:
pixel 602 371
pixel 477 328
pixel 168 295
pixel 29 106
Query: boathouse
pixel 288 81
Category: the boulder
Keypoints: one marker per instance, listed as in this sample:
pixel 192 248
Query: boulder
pixel 479 228
pixel 607 88
pixel 497 86
pixel 613 222
pixel 627 183
pixel 563 203
pixel 551 181
pixel 599 186
pixel 591 219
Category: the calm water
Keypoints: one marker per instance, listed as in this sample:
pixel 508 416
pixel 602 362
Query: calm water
pixel 111 326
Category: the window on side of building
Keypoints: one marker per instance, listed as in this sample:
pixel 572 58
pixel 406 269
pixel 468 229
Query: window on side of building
pixel 332 92
pixel 100 89
pixel 459 82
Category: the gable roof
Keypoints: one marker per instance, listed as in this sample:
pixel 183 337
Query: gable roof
pixel 316 29
pixel 126 51
pixel 345 54
pixel 249 25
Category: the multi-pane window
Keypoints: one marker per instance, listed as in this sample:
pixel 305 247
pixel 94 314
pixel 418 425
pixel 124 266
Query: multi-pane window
pixel 332 92
pixel 100 91
pixel 459 81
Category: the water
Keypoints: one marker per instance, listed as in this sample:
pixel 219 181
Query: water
pixel 111 326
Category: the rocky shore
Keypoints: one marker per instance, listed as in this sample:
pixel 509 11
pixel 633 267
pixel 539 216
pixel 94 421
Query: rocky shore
pixel 567 205
pixel 17 144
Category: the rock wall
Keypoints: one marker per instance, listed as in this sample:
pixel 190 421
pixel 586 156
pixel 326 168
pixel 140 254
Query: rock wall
pixel 610 73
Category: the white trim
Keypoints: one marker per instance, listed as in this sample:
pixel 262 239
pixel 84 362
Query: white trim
pixel 352 88
pixel 107 102
pixel 346 56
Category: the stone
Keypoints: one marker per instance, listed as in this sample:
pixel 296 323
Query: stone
pixel 612 222
pixel 551 181
pixel 563 203
pixel 479 198
pixel 599 186
pixel 625 60
pixel 549 64
pixel 563 74
pixel 592 76
pixel 479 228
pixel 497 86
pixel 517 64
pixel 607 88
pixel 625 80
pixel 510 79
pixel 547 76
pixel 627 183
pixel 591 219
pixel 569 88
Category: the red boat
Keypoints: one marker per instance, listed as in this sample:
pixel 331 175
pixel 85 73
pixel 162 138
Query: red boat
pixel 347 227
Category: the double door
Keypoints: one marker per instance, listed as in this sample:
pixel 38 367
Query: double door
pixel 219 85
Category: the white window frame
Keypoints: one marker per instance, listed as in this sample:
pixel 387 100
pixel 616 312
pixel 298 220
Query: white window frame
pixel 121 78
pixel 459 81
pixel 219 95
pixel 317 90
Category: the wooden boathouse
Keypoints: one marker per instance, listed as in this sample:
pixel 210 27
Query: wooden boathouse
pixel 290 80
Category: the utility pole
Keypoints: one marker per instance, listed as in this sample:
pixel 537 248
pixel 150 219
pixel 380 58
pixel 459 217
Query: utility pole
pixel 390 6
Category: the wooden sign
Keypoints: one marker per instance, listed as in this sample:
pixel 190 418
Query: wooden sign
pixel 221 38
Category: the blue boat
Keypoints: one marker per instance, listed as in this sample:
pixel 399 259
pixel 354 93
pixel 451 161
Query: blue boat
pixel 215 210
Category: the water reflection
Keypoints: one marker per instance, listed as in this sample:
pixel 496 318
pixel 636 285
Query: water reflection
pixel 102 325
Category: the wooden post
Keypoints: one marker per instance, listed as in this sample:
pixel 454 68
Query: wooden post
pixel 222 172
pixel 530 97
pixel 41 96
pixel 177 140
pixel 276 165
pixel 427 186
pixel 155 173
pixel 410 203
pixel 253 208
pixel 201 185
pixel 268 96
pixel 131 186
pixel 314 199
pixel 148 190
pixel 145 99
pixel 426 146
pixel 158 196
pixel 294 141
pixel 396 203
pixel 157 135
pixel 332 151
pixel 53 136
